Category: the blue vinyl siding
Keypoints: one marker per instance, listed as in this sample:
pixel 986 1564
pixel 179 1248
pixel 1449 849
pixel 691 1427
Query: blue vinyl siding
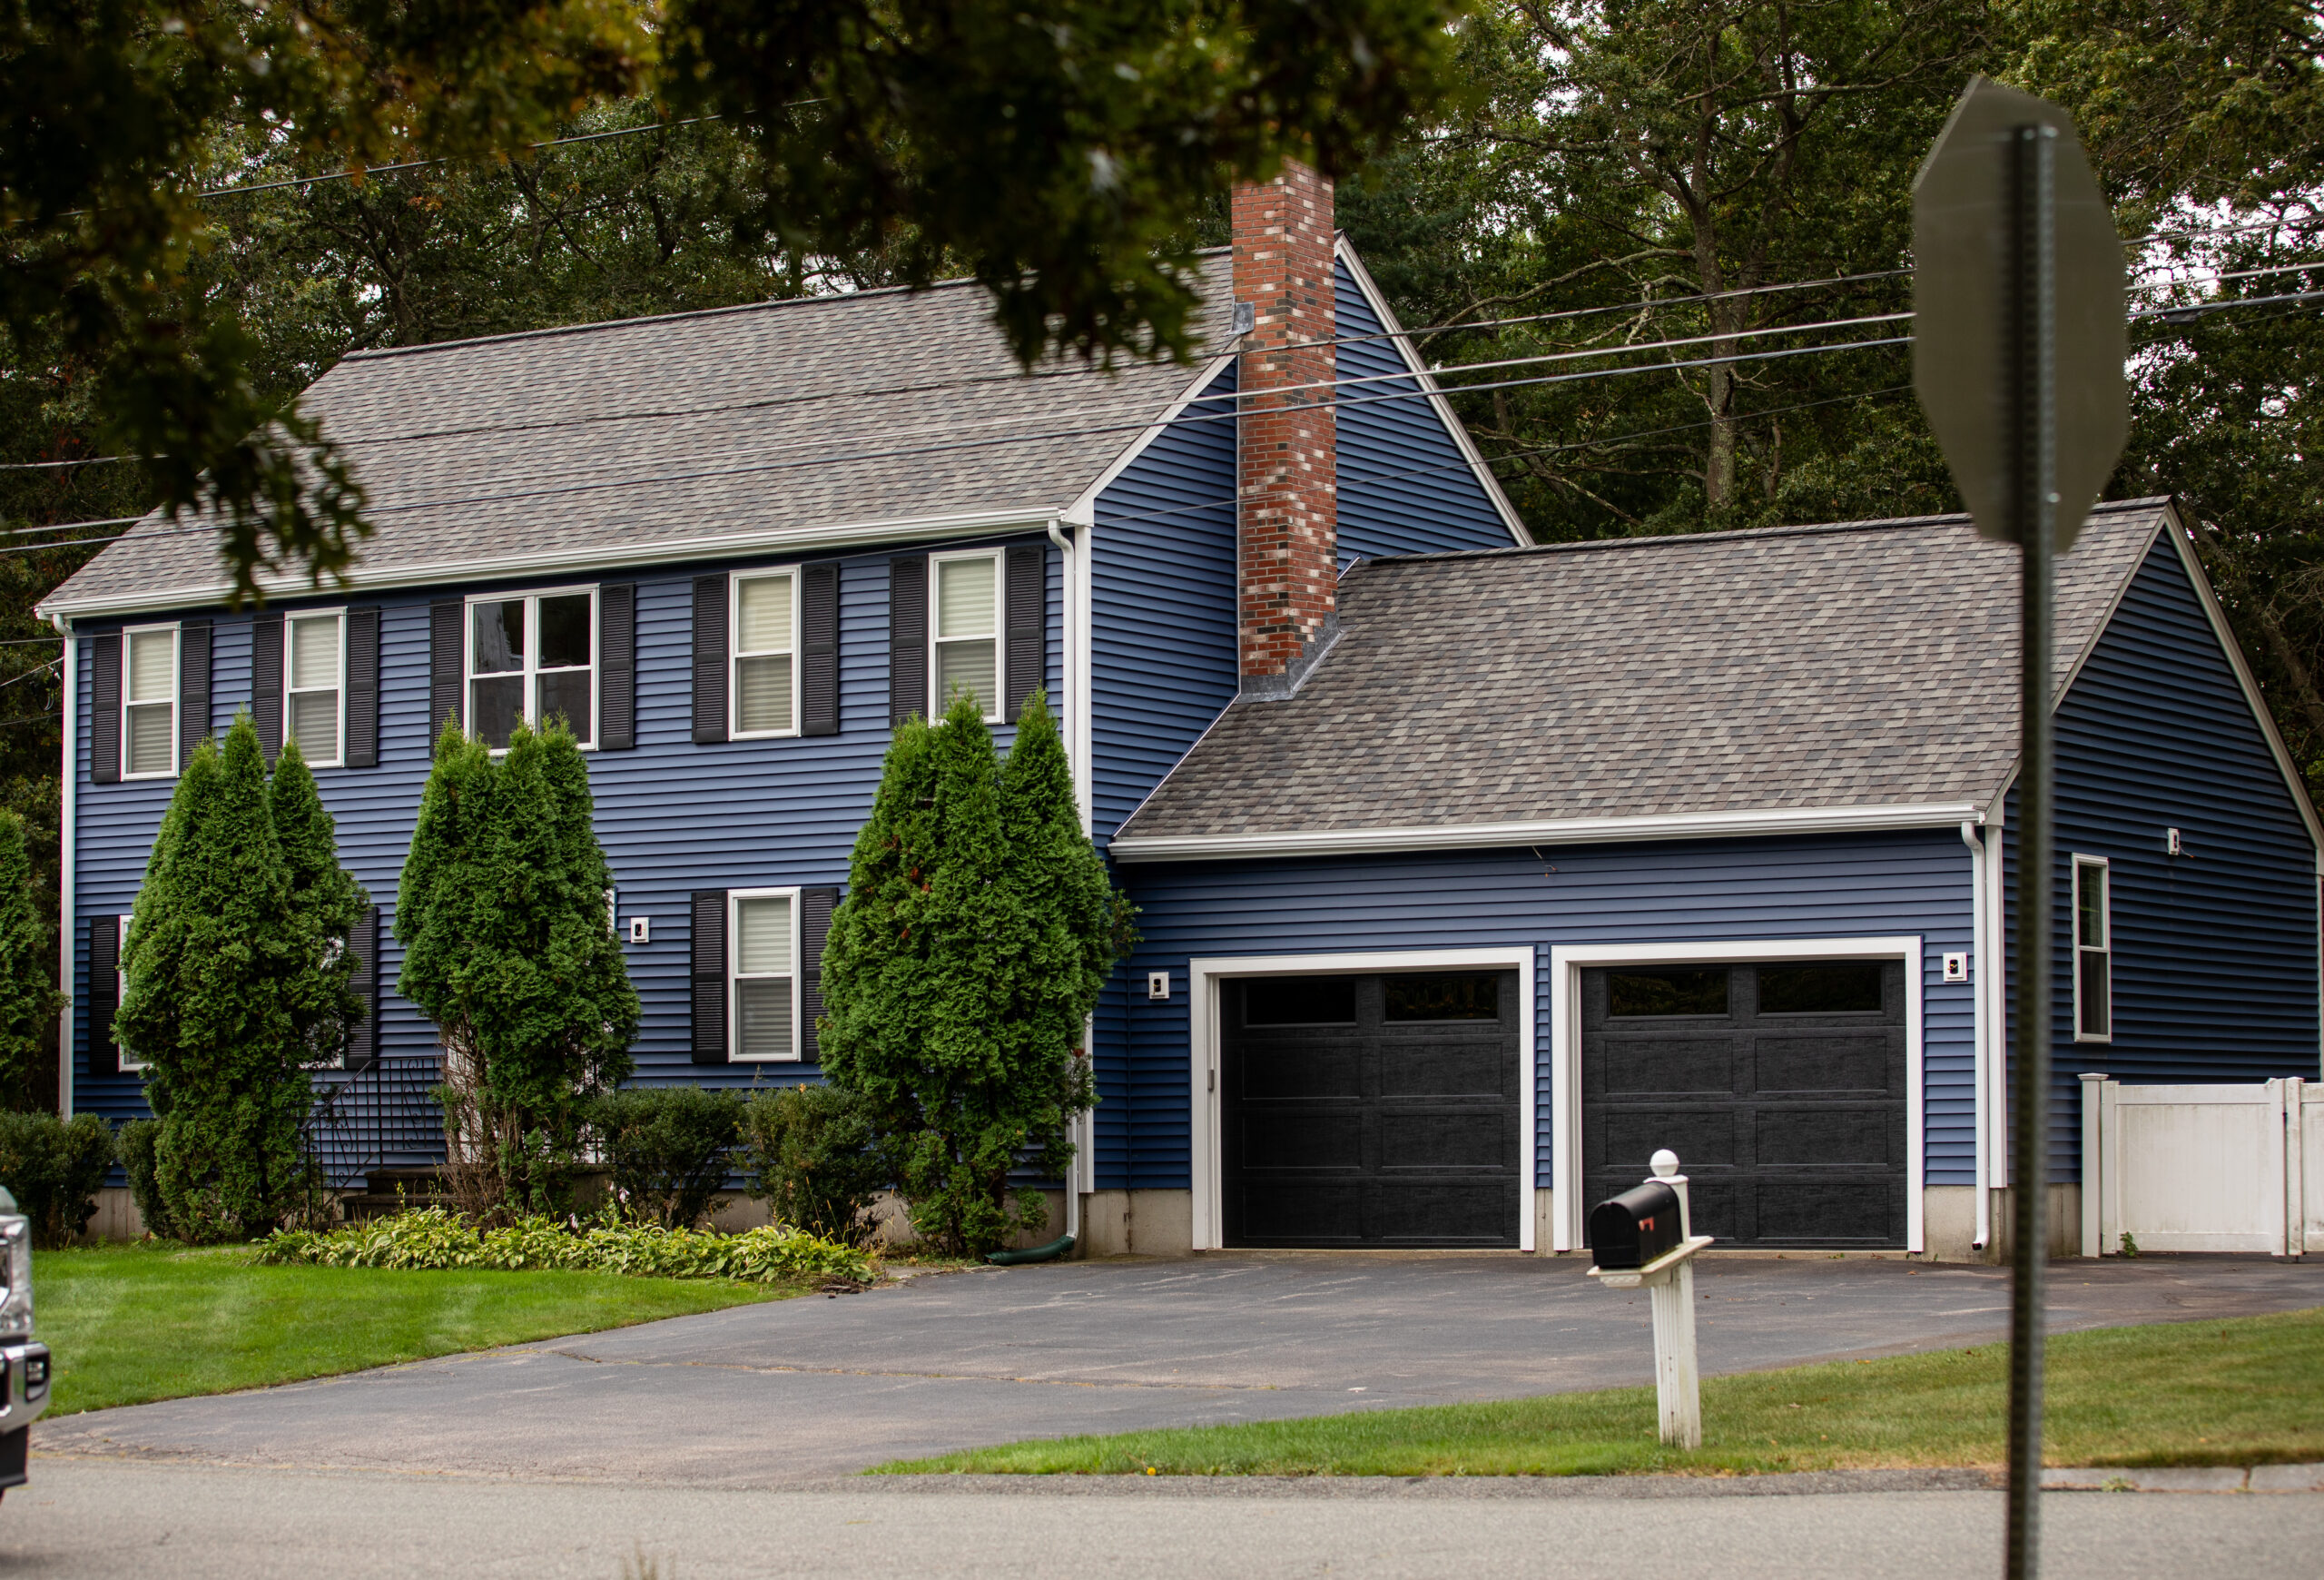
pixel 1405 485
pixel 2215 967
pixel 672 816
pixel 1700 891
pixel 1162 611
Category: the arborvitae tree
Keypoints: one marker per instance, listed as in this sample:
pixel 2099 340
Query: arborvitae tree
pixel 327 903
pixel 959 971
pixel 217 959
pixel 508 949
pixel 29 1001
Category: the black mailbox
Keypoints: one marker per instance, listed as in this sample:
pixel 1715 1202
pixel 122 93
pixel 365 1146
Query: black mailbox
pixel 1636 1227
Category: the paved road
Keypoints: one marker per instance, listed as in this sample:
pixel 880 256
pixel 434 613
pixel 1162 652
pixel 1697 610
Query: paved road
pixel 90 1520
pixel 763 1395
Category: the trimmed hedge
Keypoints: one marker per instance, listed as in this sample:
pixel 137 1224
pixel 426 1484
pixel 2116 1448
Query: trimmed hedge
pixel 54 1170
pixel 435 1237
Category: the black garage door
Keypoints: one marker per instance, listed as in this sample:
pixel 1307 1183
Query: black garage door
pixel 1781 1087
pixel 1370 1110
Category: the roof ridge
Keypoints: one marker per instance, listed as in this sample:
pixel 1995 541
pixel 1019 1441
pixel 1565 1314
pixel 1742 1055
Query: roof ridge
pixel 1801 529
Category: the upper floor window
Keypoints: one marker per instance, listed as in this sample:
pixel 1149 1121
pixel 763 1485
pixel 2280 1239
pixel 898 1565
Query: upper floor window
pixel 313 686
pixel 150 703
pixel 533 657
pixel 765 1003
pixel 966 596
pixel 765 625
pixel 2093 951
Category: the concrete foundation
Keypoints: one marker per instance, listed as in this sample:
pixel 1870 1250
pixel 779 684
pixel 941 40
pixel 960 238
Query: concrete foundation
pixel 117 1217
pixel 2064 1229
pixel 1146 1223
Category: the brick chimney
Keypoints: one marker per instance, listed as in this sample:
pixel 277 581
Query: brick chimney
pixel 1287 477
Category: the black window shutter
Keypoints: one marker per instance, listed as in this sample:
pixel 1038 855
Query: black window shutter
pixel 907 637
pixel 709 944
pixel 819 649
pixel 194 686
pixel 1027 629
pixel 363 1043
pixel 104 993
pixel 104 710
pixel 363 688
pixel 266 683
pixel 815 906
pixel 445 661
pixel 617 658
pixel 709 665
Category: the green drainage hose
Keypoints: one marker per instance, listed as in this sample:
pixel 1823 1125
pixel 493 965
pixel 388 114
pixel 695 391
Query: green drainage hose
pixel 1039 1253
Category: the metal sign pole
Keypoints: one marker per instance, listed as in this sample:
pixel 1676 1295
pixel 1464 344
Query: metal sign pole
pixel 2034 508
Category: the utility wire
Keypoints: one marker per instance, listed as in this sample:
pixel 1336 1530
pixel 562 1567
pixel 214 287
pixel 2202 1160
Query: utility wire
pixel 354 174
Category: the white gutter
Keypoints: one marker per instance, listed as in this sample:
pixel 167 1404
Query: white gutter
pixel 65 864
pixel 1549 831
pixel 1980 961
pixel 563 561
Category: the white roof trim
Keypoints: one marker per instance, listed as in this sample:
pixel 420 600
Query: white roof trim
pixel 559 562
pixel 1398 338
pixel 1082 512
pixel 2293 782
pixel 1327 841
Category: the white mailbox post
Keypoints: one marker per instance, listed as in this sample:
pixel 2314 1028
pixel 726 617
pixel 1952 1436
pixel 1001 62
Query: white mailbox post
pixel 1670 1282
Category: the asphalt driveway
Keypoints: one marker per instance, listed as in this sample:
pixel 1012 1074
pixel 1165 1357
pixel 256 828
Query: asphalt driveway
pixel 778 1394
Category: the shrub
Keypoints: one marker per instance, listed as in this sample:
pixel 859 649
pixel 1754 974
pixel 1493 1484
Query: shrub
pixel 510 950
pixel 667 1150
pixel 29 1001
pixel 808 1152
pixel 435 1237
pixel 54 1169
pixel 136 1141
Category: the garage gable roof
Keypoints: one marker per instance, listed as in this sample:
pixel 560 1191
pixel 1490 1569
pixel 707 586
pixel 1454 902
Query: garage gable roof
pixel 1758 679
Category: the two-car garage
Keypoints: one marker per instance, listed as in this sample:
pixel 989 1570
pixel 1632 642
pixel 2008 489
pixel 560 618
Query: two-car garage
pixel 1386 1108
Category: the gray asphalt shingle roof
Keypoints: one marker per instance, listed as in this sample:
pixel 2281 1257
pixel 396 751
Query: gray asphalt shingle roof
pixel 1852 665
pixel 652 434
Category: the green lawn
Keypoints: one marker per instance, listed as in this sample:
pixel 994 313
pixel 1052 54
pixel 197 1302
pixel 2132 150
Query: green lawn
pixel 2245 1391
pixel 133 1323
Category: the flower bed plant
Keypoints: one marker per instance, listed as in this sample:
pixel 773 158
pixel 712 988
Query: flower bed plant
pixel 435 1237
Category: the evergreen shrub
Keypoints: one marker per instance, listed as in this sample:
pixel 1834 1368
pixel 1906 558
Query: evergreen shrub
pixel 667 1150
pixel 29 1000
pixel 509 949
pixel 435 1237
pixel 237 982
pixel 809 1152
pixel 54 1169
pixel 137 1142
pixel 978 930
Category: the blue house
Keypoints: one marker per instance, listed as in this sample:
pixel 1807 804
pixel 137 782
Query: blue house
pixel 1470 873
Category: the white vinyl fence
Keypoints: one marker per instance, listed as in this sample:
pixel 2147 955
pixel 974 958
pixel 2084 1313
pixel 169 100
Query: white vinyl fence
pixel 2202 1168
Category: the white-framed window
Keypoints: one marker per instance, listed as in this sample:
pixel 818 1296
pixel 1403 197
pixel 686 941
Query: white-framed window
pixel 130 1062
pixel 964 618
pixel 2093 951
pixel 533 657
pixel 314 689
pixel 764 619
pixel 149 702
pixel 763 975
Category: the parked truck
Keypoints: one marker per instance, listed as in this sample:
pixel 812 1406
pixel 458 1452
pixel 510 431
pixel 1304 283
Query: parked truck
pixel 23 1382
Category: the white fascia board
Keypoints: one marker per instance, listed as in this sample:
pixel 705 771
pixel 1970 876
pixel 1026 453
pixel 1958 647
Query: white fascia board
pixel 1551 831
pixel 561 562
pixel 1398 338
pixel 2181 541
pixel 1082 512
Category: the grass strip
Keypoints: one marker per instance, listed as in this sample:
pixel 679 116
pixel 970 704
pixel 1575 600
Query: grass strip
pixel 2244 1391
pixel 133 1324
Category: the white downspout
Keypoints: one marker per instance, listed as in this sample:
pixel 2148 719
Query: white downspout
pixel 1994 1100
pixel 1981 1034
pixel 1076 708
pixel 65 920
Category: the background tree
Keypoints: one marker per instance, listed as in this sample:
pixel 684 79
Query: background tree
pixel 959 969
pixel 509 949
pixel 29 1001
pixel 218 962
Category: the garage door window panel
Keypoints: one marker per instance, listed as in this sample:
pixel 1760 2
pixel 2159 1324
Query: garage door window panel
pixel 1663 994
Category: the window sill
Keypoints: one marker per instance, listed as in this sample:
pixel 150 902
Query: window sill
pixel 766 1059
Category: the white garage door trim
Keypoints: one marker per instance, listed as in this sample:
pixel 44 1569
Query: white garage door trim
pixel 1567 963
pixel 1203 975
